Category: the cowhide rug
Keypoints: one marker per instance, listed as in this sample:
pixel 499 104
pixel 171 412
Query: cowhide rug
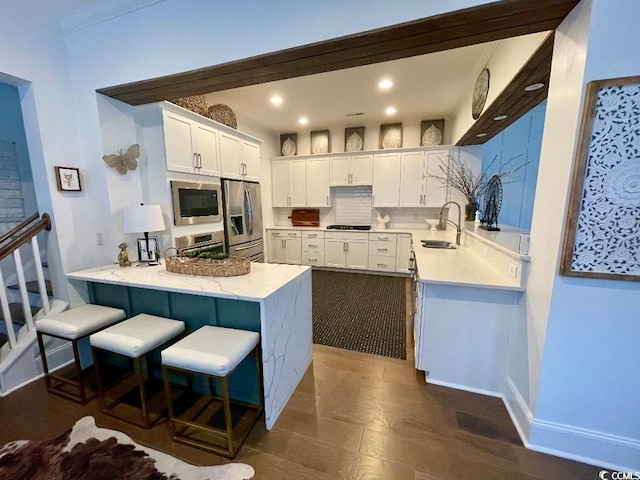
pixel 91 453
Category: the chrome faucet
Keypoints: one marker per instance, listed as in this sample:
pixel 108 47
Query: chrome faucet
pixel 442 222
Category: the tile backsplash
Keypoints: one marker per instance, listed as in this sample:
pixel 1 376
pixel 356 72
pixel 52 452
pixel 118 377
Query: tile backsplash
pixel 352 205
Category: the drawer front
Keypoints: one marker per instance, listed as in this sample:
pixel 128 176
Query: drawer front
pixel 313 259
pixel 383 237
pixel 382 248
pixel 347 235
pixel 306 234
pixel 382 264
pixel 313 245
pixel 285 234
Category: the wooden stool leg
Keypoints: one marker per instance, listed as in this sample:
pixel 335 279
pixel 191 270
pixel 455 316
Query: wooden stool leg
pixel 169 399
pixel 137 367
pixel 78 367
pixel 227 414
pixel 96 367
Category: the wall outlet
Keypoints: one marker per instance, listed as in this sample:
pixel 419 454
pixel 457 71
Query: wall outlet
pixel 99 240
pixel 513 270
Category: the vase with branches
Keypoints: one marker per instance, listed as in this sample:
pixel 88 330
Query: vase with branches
pixel 458 175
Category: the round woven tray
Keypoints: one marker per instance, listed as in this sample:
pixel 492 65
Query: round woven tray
pixel 229 267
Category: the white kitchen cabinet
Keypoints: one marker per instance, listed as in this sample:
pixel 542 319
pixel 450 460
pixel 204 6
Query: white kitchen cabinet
pixel 318 182
pixel 346 250
pixel 285 246
pixel 313 248
pixel 386 179
pixel 352 170
pixel 382 251
pixel 403 252
pixel 288 182
pixel 190 146
pixel 239 158
pixel 418 188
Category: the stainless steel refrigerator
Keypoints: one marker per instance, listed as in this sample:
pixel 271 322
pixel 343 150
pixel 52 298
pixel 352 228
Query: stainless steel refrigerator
pixel 243 219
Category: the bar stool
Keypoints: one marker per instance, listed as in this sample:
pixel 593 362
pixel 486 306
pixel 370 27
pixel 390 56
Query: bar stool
pixel 73 325
pixel 134 338
pixel 211 352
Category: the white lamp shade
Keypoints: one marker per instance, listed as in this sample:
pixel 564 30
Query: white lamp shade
pixel 142 218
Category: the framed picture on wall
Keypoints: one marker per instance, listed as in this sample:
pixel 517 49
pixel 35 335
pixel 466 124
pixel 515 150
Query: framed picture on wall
pixel 353 139
pixel 390 136
pixel 288 144
pixel 68 179
pixel 601 233
pixel 320 142
pixel 431 132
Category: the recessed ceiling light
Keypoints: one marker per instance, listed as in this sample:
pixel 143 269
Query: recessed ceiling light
pixel 481 135
pixel 385 84
pixel 500 117
pixel 534 86
pixel 276 100
pixel 390 111
pixel 303 120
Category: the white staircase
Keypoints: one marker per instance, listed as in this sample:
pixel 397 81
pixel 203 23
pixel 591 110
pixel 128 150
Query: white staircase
pixel 24 297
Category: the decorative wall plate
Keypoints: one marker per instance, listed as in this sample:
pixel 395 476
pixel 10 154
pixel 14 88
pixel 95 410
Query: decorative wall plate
pixel 480 92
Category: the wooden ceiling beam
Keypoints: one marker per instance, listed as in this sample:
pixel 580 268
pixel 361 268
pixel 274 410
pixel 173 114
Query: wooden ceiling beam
pixel 461 28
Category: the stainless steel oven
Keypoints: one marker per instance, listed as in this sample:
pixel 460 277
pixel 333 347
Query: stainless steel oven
pixel 202 242
pixel 195 202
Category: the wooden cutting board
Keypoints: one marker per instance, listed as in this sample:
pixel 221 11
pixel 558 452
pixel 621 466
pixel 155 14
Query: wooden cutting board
pixel 305 217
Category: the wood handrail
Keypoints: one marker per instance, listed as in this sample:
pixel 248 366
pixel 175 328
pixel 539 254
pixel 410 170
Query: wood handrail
pixel 43 224
pixel 19 227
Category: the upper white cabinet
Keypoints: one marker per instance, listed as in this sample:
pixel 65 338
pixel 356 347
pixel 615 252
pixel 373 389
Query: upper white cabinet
pixel 418 188
pixel 386 179
pixel 288 183
pixel 352 170
pixel 239 158
pixel 318 182
pixel 190 147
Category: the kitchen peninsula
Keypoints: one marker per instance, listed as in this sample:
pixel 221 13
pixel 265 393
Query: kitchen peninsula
pixel 272 299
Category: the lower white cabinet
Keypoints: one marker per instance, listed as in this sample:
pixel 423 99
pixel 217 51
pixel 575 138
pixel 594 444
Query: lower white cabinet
pixel 346 250
pixel 313 248
pixel 285 246
pixel 403 252
pixel 382 252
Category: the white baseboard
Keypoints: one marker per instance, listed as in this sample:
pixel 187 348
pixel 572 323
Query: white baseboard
pixel 466 388
pixel 587 446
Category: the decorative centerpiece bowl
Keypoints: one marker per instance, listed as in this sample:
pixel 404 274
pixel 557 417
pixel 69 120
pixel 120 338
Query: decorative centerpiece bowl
pixel 207 264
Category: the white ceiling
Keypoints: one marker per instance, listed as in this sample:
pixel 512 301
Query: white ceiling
pixel 425 87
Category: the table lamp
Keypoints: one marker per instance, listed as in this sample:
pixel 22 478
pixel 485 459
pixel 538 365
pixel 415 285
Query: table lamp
pixel 144 218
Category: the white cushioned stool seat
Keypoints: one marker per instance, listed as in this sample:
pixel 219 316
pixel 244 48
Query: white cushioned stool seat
pixel 138 335
pixel 79 321
pixel 211 350
pixel 74 326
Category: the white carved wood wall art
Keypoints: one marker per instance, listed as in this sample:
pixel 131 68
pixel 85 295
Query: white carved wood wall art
pixel 602 237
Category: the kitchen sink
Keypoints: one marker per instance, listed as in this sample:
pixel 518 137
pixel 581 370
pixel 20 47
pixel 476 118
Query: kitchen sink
pixel 437 244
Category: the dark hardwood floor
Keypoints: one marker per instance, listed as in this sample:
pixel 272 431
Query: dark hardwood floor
pixel 353 416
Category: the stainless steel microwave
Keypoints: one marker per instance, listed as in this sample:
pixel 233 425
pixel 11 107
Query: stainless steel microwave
pixel 195 202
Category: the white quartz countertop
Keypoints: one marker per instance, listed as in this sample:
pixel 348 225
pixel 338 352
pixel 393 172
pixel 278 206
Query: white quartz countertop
pixel 460 266
pixel 263 280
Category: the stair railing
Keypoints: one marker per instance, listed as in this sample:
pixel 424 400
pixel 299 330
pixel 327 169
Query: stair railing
pixel 10 243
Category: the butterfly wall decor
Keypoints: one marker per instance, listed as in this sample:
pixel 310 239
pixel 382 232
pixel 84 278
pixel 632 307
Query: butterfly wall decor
pixel 124 161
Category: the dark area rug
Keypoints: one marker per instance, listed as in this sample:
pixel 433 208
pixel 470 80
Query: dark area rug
pixel 360 312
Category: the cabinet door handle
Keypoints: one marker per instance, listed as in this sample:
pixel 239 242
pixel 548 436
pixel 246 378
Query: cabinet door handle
pixel 344 246
pixel 383 237
pixel 199 161
pixel 347 244
pixel 314 245
pixel 195 159
pixel 327 199
pixel 314 235
pixel 381 264
pixel 291 234
pixel 313 259
pixel 383 249
pixel 284 244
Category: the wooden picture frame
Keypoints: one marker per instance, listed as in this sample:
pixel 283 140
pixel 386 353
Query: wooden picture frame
pixel 600 239
pixel 320 142
pixel 68 179
pixel 288 144
pixel 353 139
pixel 390 136
pixel 152 255
pixel 431 132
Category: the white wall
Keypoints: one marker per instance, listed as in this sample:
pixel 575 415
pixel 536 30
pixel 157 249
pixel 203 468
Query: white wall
pixel 503 64
pixel 569 374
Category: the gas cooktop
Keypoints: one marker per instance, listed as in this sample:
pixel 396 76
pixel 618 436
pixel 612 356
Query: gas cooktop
pixel 348 227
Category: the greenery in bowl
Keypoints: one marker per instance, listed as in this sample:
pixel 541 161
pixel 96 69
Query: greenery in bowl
pixel 207 255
